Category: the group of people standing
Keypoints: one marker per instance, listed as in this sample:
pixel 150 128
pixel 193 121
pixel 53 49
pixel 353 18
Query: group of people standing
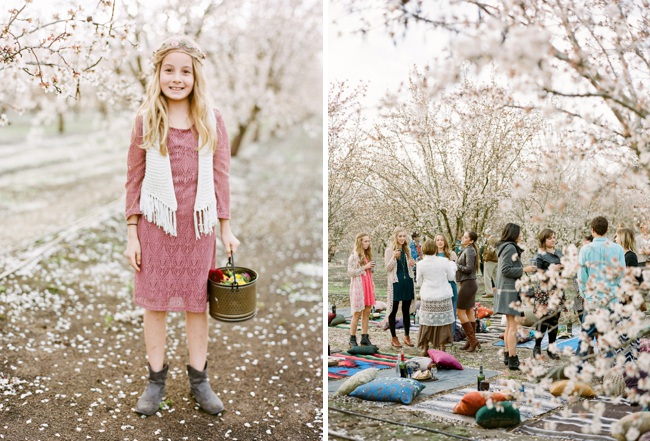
pixel 448 283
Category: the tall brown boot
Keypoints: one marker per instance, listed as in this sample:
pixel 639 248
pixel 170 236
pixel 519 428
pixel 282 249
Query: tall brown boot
pixel 467 344
pixel 471 337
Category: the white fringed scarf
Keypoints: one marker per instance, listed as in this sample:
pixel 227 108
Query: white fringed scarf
pixel 158 200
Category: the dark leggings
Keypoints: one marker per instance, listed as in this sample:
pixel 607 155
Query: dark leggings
pixel 406 306
pixel 548 324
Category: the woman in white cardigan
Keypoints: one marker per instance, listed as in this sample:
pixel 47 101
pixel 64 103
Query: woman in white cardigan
pixel 436 308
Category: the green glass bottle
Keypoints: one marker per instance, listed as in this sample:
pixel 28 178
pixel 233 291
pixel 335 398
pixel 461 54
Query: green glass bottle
pixel 402 366
pixel 480 378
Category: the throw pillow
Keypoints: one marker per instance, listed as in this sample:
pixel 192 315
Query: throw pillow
pixel 501 415
pixel 363 350
pixel 398 390
pixel 556 373
pixel 444 360
pixel 330 317
pixel 645 437
pixel 363 377
pixel 639 421
pixel 473 401
pixel 380 306
pixel 483 312
pixel 422 363
pixel 582 389
pixel 339 319
pixel 614 384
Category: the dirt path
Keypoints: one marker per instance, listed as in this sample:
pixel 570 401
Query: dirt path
pixel 72 359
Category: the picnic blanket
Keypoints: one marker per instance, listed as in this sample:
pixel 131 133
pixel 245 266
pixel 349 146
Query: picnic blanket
pixel 577 424
pixel 572 342
pixel 442 405
pixel 447 380
pixel 351 364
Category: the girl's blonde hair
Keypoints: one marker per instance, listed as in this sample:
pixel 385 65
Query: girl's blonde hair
pixel 154 107
pixel 445 248
pixel 626 238
pixel 359 251
pixel 393 240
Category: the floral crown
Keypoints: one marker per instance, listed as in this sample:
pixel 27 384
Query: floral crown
pixel 181 45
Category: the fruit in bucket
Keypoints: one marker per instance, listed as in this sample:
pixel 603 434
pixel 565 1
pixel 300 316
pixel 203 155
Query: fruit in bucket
pixel 226 278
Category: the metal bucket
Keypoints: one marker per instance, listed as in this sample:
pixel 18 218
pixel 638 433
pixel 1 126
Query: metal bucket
pixel 233 303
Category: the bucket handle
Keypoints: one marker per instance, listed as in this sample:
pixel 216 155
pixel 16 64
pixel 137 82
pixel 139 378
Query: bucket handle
pixel 231 261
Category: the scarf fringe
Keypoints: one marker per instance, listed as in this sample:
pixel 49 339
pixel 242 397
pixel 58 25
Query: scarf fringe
pixel 158 212
pixel 205 219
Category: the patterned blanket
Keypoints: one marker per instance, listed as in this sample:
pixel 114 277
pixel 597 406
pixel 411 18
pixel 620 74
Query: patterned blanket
pixel 442 405
pixel 351 364
pixel 577 421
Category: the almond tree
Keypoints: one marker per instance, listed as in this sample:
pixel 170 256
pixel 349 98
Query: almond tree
pixel 443 165
pixel 588 60
pixel 346 165
pixel 265 57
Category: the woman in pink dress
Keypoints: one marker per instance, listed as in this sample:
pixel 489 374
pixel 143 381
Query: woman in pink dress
pixel 362 287
pixel 177 194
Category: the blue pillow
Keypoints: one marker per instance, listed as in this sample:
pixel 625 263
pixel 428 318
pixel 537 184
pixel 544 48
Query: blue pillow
pixel 399 390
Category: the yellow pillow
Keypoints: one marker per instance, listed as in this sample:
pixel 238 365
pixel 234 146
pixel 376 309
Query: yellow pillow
pixel 358 379
pixel 582 389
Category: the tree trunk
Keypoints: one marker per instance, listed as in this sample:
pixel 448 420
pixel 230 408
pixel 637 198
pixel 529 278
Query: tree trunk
pixel 237 141
pixel 61 122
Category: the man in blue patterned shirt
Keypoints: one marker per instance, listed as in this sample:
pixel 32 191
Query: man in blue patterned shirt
pixel 602 264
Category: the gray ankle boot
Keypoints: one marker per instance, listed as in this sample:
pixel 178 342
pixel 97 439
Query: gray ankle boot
pixel 154 392
pixel 202 392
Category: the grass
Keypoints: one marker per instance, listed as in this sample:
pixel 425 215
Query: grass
pixel 20 126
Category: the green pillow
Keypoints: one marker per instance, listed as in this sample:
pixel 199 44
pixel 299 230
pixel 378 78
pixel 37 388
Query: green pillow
pixel 363 377
pixel 508 416
pixel 363 350
pixel 339 319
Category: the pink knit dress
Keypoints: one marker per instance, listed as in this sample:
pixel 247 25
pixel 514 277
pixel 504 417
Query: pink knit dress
pixel 174 269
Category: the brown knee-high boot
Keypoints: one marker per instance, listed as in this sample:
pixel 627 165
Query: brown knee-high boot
pixel 470 330
pixel 466 346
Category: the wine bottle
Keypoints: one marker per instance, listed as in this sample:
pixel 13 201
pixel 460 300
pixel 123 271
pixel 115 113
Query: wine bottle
pixel 334 308
pixel 402 366
pixel 480 378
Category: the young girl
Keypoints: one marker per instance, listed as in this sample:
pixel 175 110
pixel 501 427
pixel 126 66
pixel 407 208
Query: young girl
pixel 362 288
pixel 399 270
pixel 436 310
pixel 466 277
pixel 509 270
pixel 177 186
pixel 443 250
pixel 548 257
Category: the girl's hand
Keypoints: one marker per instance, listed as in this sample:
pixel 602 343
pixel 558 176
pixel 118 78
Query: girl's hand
pixel 397 253
pixel 369 265
pixel 133 253
pixel 411 262
pixel 530 269
pixel 230 242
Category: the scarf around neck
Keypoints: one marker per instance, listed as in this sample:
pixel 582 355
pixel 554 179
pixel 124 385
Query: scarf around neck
pixel 158 199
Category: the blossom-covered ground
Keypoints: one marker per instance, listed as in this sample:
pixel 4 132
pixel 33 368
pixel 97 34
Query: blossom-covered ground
pixel 72 356
pixel 361 428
